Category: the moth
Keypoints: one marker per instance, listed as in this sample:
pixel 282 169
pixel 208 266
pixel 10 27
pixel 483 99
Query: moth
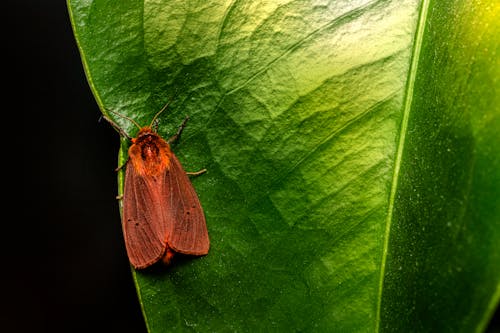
pixel 162 214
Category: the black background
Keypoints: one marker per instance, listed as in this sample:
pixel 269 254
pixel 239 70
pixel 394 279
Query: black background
pixel 65 267
pixel 68 270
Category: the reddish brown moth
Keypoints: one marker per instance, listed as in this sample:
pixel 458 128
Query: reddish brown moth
pixel 161 214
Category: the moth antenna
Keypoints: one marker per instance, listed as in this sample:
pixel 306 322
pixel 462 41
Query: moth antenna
pixel 128 118
pixel 116 127
pixel 159 112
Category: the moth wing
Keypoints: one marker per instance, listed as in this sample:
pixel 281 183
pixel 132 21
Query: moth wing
pixel 144 226
pixel 188 231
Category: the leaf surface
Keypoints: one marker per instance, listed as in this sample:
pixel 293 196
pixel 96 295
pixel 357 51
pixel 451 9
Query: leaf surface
pixel 353 181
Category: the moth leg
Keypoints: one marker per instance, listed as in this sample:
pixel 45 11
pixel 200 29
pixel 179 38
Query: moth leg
pixel 179 131
pixel 197 173
pixel 118 168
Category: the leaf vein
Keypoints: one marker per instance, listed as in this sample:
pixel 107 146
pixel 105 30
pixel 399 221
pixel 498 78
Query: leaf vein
pixel 348 16
pixel 399 153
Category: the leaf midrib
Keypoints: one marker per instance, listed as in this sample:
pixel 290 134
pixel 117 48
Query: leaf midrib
pixel 410 85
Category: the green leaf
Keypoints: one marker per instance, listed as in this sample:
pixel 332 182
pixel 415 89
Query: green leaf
pixel 353 156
